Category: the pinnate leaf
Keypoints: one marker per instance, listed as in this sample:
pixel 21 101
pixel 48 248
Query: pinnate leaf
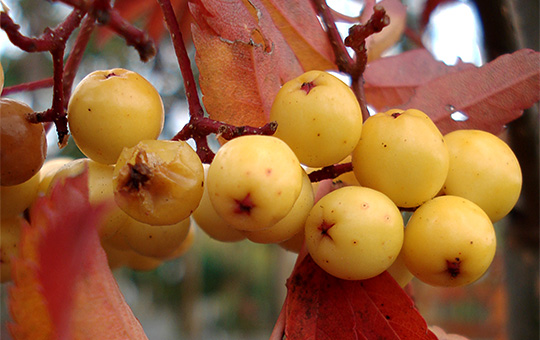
pixel 237 80
pixel 242 60
pixel 298 23
pixel 489 96
pixel 63 287
pixel 320 306
pixel 393 80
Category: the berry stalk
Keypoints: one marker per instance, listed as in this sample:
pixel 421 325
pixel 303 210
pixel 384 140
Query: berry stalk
pixel 357 41
pixel 199 126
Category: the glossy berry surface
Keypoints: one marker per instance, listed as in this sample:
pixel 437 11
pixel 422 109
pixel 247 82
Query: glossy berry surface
pixel 354 233
pixel 319 117
pixel 113 109
pixel 449 241
pixel 484 170
pixel 403 155
pixel 23 144
pixel 254 181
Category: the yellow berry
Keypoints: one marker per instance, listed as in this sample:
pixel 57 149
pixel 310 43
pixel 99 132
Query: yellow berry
pixel 158 182
pixel 113 109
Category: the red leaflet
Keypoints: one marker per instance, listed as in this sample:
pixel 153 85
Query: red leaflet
pixel 392 81
pixel 489 97
pixel 300 26
pixel 238 80
pixel 321 306
pixel 64 288
pixel 486 97
pixel 250 23
pixel 242 60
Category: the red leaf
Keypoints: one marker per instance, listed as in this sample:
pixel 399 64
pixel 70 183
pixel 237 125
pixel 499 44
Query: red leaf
pixel 250 23
pixel 298 23
pixel 490 96
pixel 392 81
pixel 150 13
pixel 242 60
pixel 320 306
pixel 63 287
pixel 237 80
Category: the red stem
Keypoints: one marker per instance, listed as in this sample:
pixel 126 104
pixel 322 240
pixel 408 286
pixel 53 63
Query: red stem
pixel 56 113
pixel 106 15
pixel 414 36
pixel 75 57
pixel 344 61
pixel 357 41
pixel 70 68
pixel 30 86
pixel 199 126
pixel 195 107
pixel 330 172
pixel 49 40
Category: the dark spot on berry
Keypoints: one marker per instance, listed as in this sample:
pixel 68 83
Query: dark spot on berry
pixel 139 174
pixel 307 86
pixel 453 267
pixel 387 317
pixel 324 227
pixel 245 205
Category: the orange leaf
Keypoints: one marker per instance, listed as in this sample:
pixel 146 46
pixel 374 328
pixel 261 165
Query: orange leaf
pixel 63 287
pixel 237 79
pixel 242 60
pixel 299 24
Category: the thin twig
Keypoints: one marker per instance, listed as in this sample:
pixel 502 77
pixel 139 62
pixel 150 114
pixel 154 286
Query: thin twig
pixel 195 107
pixel 106 15
pixel 75 56
pixel 30 86
pixel 330 172
pixel 344 61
